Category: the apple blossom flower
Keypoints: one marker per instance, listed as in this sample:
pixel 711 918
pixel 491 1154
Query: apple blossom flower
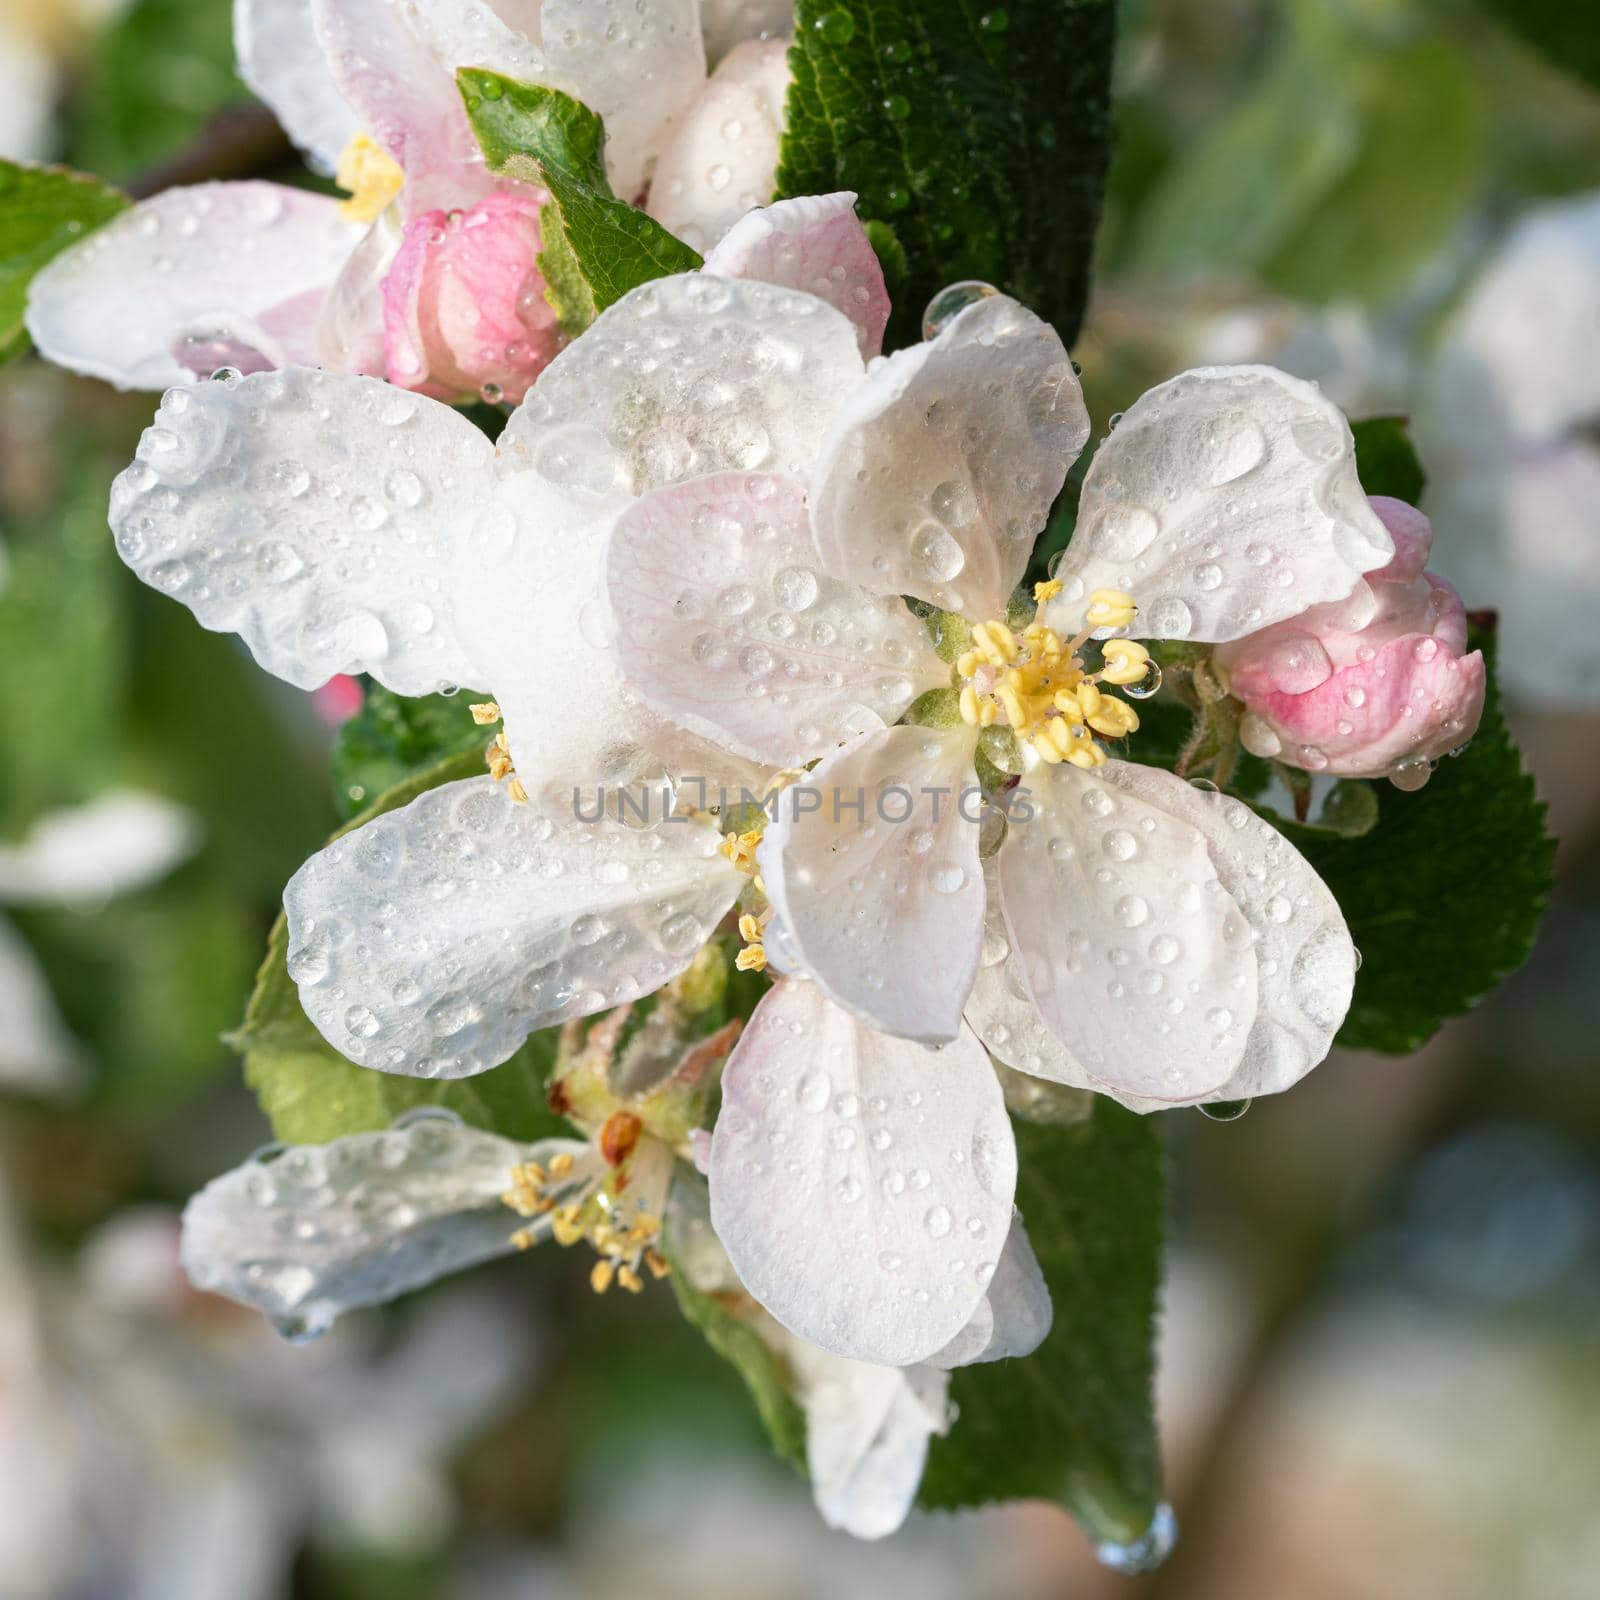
pixel 428 273
pixel 687 557
pixel 1377 685
pixel 308 1233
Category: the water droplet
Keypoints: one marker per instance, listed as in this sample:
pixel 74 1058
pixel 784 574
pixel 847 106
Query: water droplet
pixel 937 1222
pixel 950 302
pixel 947 878
pixel 814 1092
pixel 1168 618
pixel 795 588
pixel 1225 1110
pixel 1145 1553
pixel 1148 685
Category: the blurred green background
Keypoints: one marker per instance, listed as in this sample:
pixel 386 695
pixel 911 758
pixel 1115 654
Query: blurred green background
pixel 1380 1375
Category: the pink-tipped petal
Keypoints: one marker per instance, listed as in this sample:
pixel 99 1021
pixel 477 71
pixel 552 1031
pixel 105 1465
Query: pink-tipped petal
pixel 218 275
pixel 1353 688
pixel 463 302
pixel 815 243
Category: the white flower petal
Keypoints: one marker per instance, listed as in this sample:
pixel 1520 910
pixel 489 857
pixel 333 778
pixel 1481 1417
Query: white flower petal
pixel 1305 960
pixel 1013 1318
pixel 686 376
pixel 940 470
pixel 999 1011
pixel 37 1053
pixel 726 624
pixel 1135 954
pixel 1225 500
pixel 722 158
pixel 312 514
pixel 394 61
pixel 323 1229
pixel 872 862
pixel 119 841
pixel 433 940
pixel 726 23
pixel 220 274
pixel 543 641
pixel 815 243
pixel 861 1184
pixel 350 323
pixel 636 65
pixel 281 60
pixel 867 1433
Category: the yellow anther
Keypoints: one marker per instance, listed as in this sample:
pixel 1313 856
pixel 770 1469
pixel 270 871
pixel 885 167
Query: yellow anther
pixel 1110 608
pixel 996 642
pixel 971 711
pixel 1126 661
pixel 370 175
pixel 1087 754
pixel 1116 719
pixel 601 1275
pixel 561 1164
pixel 524 1239
pixel 1089 700
pixel 630 1280
pixel 1016 712
pixel 753 958
pixel 750 928
pixel 517 792
pixel 1066 702
pixel 659 1265
pixel 485 712
pixel 1047 590
pixel 565 1227
pixel 968 664
pixel 645 1226
pixel 1047 749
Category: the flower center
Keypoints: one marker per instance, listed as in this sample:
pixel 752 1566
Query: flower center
pixel 614 1195
pixel 370 175
pixel 1038 685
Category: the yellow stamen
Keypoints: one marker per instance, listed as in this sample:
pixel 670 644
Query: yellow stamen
pixel 750 928
pixel 370 175
pixel 1110 608
pixel 517 792
pixel 659 1266
pixel 601 1275
pixel 1126 661
pixel 1047 590
pixel 753 958
pixel 561 1164
pixel 485 712
pixel 630 1280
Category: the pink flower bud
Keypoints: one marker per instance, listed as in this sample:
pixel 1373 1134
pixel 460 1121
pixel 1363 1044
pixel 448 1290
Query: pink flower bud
pixel 1376 685
pixel 464 310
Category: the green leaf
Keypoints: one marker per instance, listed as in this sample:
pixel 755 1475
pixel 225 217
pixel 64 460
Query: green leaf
pixel 311 1094
pixel 547 138
pixel 733 1338
pixel 1337 174
pixel 565 286
pixel 1386 460
pixel 42 211
pixel 1567 34
pixel 979 134
pixel 1073 1422
pixel 1444 894
pixel 394 737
